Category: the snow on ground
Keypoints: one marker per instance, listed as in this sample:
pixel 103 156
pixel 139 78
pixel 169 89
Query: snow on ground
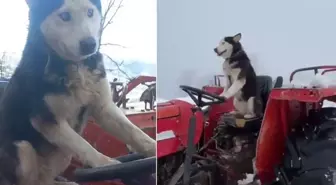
pixel 134 100
pixel 248 179
pixel 134 95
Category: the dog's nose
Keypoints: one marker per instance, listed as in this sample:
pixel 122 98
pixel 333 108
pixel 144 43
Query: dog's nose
pixel 215 50
pixel 87 46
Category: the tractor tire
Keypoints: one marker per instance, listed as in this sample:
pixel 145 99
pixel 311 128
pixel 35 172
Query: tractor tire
pixel 310 151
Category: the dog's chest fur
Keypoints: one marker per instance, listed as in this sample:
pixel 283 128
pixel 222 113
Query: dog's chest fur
pixel 82 87
pixel 229 68
pixel 232 70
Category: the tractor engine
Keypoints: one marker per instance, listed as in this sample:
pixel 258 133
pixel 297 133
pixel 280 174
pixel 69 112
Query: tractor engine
pixel 236 147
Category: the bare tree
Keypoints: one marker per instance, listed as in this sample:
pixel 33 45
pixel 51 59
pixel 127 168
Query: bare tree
pixel 110 11
pixel 6 70
pixel 118 67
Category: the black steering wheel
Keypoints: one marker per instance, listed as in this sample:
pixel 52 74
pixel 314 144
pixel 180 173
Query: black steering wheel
pixel 200 95
pixel 134 170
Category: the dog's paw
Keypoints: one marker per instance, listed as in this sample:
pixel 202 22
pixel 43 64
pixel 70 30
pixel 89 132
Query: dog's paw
pixel 223 94
pixel 111 161
pixel 105 161
pixel 249 116
pixel 234 112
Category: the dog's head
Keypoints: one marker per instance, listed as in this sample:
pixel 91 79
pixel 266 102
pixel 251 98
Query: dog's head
pixel 71 28
pixel 228 46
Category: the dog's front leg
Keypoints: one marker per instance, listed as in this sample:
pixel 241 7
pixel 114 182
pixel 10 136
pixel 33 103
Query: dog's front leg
pixel 227 83
pixel 63 136
pixel 114 121
pixel 236 86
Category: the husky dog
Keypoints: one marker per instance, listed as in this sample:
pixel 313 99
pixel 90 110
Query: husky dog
pixel 241 77
pixel 59 81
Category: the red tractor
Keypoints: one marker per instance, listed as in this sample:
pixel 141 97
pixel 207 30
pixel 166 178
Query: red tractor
pixel 201 143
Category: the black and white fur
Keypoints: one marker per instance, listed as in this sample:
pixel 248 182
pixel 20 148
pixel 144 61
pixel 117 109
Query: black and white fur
pixel 59 81
pixel 241 77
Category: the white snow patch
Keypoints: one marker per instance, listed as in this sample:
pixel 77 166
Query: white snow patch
pixel 248 179
pixel 319 81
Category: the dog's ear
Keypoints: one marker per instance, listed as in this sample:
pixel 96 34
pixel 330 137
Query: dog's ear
pixel 237 37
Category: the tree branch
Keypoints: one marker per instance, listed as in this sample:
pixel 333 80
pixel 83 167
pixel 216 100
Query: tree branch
pixel 108 16
pixel 118 65
pixel 111 44
pixel 5 69
pixel 109 7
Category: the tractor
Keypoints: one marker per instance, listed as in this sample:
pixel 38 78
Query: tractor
pixel 200 142
pixel 120 91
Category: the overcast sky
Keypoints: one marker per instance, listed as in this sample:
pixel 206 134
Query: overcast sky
pixel 279 36
pixel 134 27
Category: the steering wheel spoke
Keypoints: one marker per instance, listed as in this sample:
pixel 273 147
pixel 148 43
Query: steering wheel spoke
pixel 201 94
pixel 134 165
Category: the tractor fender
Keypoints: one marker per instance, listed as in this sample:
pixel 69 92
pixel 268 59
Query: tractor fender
pixel 172 126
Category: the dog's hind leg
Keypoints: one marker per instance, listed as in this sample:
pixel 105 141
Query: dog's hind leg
pixel 252 108
pixel 28 168
pixel 240 107
pixel 64 137
pixel 113 120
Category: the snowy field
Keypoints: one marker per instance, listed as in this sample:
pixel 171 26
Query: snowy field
pixel 134 101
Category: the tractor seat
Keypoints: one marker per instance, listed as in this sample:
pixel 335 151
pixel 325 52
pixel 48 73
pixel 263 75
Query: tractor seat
pixel 265 84
pixel 278 82
pixel 264 87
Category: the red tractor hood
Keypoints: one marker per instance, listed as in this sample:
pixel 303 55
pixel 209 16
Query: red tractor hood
pixel 172 126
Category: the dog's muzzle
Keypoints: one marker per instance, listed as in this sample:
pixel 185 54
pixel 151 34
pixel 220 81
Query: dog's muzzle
pixel 217 52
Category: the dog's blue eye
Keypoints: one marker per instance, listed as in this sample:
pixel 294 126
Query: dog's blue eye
pixel 90 12
pixel 65 16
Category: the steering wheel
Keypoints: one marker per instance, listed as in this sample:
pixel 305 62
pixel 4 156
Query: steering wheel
pixel 201 94
pixel 134 170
